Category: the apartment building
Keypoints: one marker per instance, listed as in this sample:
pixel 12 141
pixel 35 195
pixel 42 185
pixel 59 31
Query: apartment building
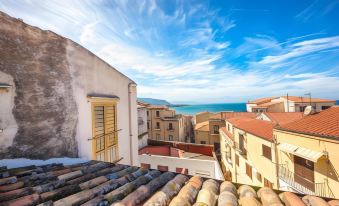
pixel 207 126
pixel 60 100
pixel 142 125
pixel 248 152
pixel 206 130
pixel 280 118
pixel 288 104
pixel 164 124
pixel 308 154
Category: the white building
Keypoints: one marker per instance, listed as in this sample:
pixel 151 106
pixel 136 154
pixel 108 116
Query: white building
pixel 60 100
pixel 142 125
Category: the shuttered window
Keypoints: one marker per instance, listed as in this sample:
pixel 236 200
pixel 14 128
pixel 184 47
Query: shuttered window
pixel 104 132
pixel 248 170
pixel 237 160
pixel 266 152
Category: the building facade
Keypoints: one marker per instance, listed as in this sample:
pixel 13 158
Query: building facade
pixel 142 125
pixel 308 154
pixel 61 100
pixel 164 124
pixel 247 153
pixel 288 104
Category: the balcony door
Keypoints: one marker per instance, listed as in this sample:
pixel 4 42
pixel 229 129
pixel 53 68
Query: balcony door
pixel 105 139
pixel 304 172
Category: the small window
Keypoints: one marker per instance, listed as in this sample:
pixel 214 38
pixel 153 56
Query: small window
pixel 162 168
pixel 216 129
pixel 237 160
pixel 170 126
pixel 266 152
pixel 181 170
pixel 248 170
pixel 325 107
pixel 147 125
pixel 202 142
pixel 158 125
pixel 147 113
pixel 259 178
pixel 228 127
pixel 157 113
pixel 145 166
pixel 170 137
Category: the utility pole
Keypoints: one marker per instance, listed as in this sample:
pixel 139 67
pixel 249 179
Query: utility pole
pixel 309 94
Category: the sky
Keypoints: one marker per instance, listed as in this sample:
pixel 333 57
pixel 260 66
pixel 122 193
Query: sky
pixel 203 51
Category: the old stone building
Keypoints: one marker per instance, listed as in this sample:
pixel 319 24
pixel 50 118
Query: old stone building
pixel 58 99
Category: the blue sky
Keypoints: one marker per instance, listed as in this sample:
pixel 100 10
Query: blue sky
pixel 203 51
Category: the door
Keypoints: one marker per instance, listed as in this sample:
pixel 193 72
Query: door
pixel 304 172
pixel 105 140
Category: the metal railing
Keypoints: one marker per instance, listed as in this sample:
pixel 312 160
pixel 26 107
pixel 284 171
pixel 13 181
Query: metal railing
pixel 242 151
pixel 319 189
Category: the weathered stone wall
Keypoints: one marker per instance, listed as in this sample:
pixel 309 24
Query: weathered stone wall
pixel 44 107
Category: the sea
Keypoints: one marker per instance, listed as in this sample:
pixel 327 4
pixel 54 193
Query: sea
pixel 193 109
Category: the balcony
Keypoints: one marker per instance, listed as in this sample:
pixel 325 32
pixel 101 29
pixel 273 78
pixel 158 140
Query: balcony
pixel 242 151
pixel 303 185
pixel 170 129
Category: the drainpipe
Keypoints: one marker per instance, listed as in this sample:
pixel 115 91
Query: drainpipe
pixel 130 85
pixel 275 142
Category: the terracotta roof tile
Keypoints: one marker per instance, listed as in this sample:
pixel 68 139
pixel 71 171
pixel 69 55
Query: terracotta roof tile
pixel 261 100
pixel 324 123
pixel 122 185
pixel 306 99
pixel 266 104
pixel 228 115
pixel 260 128
pixel 283 118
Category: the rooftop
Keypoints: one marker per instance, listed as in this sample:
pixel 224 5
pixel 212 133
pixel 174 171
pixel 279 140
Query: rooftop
pixel 226 132
pixel 324 123
pixel 251 126
pixel 102 183
pixel 283 118
pixel 202 126
pixel 228 115
pixel 306 99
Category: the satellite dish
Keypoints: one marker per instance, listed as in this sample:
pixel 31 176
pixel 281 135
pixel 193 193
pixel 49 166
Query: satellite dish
pixel 308 110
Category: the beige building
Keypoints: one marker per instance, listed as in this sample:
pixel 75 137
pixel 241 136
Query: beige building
pixel 206 130
pixel 142 125
pixel 164 124
pixel 288 104
pixel 248 153
pixel 308 154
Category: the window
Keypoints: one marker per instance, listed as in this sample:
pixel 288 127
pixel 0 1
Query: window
pixel 170 126
pixel 202 142
pixel 266 152
pixel 302 108
pixel 228 127
pixel 325 107
pixel 216 129
pixel 147 125
pixel 157 113
pixel 267 183
pixel 181 170
pixel 147 113
pixel 237 160
pixel 242 145
pixel 105 139
pixel 162 168
pixel 145 166
pixel 140 121
pixel 170 137
pixel 259 178
pixel 248 170
pixel 158 125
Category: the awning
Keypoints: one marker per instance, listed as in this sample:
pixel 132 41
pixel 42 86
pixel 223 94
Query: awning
pixel 308 154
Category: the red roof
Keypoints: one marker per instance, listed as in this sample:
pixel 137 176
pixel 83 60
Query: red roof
pixel 306 99
pixel 283 118
pixel 260 128
pixel 228 115
pixel 261 100
pixel 324 123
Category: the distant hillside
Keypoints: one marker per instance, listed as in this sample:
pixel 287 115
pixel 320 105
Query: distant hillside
pixel 155 101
